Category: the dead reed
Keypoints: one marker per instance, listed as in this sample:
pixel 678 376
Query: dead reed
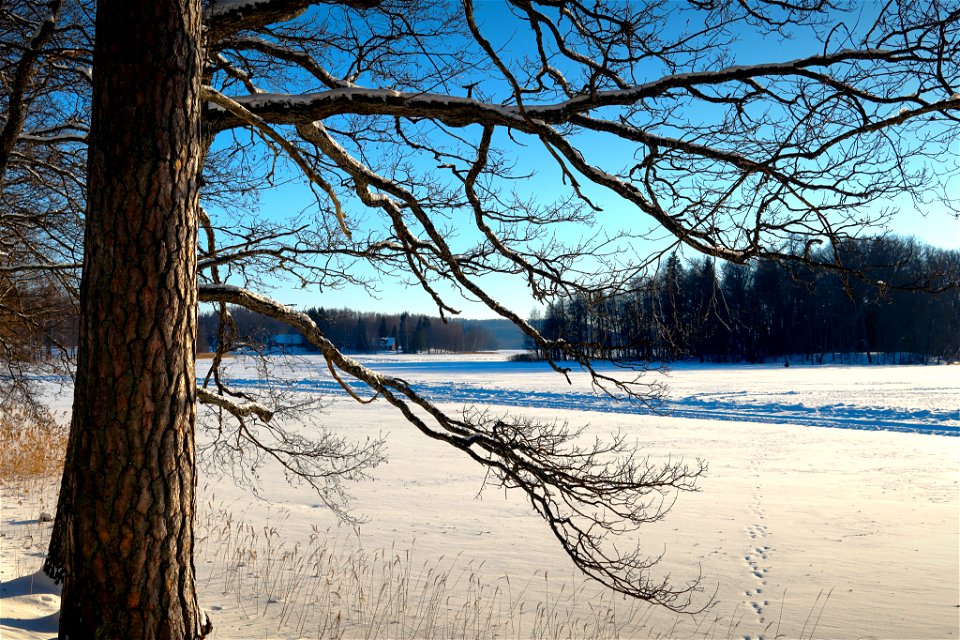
pixel 326 587
pixel 32 443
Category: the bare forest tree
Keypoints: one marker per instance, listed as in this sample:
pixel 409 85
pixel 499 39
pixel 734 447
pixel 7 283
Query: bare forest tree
pixel 42 163
pixel 419 127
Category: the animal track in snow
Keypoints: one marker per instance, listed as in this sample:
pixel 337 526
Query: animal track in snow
pixel 757 554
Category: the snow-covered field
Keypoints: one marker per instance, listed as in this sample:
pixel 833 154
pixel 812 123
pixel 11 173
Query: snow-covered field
pixel 830 509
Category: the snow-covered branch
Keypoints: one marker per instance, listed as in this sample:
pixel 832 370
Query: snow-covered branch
pixel 462 111
pixel 238 409
pixel 226 17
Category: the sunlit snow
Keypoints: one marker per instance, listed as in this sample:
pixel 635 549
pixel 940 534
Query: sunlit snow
pixel 830 504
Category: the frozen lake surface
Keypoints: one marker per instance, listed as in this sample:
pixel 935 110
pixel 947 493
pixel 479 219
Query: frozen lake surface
pixel 805 396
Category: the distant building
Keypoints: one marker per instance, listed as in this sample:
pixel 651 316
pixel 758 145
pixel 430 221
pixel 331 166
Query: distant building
pixel 286 343
pixel 387 344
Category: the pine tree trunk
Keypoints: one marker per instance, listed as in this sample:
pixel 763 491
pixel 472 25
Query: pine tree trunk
pixel 123 538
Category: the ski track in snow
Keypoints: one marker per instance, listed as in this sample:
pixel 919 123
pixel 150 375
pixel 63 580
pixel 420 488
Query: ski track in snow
pixel 730 406
pixel 721 406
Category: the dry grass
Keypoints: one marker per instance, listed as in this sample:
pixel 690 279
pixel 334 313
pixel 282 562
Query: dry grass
pixel 32 444
pixel 255 578
pixel 328 588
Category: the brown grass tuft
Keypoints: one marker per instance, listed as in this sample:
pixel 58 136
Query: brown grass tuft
pixel 32 443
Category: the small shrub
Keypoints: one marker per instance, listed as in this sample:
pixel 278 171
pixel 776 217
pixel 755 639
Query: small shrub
pixel 526 356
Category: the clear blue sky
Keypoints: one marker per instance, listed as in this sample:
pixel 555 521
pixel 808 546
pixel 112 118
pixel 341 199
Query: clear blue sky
pixel 933 224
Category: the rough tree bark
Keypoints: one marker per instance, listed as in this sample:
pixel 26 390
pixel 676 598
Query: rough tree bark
pixel 123 544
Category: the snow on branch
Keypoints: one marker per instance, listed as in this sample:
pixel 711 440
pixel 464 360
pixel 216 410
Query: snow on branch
pixel 460 111
pixel 226 17
pixel 281 52
pixel 39 266
pixel 237 409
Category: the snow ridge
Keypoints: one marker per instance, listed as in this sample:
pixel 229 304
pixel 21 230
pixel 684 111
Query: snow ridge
pixel 723 406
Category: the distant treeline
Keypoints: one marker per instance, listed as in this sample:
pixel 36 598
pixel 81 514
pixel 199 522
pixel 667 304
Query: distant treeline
pixel 365 332
pixel 767 310
pixel 752 313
